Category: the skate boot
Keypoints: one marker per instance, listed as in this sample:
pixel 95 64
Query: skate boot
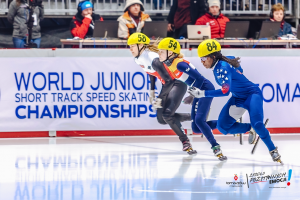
pixel 188 147
pixel 276 156
pixel 252 136
pixel 218 153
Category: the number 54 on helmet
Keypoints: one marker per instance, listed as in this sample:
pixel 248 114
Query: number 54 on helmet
pixel 208 47
pixel 170 44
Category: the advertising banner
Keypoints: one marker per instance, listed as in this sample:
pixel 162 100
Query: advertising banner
pixel 90 93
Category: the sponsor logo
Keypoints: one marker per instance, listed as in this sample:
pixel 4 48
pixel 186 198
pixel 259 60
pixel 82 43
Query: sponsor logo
pixel 262 178
pixel 236 177
pixel 236 183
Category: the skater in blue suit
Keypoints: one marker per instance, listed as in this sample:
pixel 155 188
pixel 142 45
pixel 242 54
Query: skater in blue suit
pixel 245 96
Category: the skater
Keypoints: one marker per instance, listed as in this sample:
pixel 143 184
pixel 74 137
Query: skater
pixel 172 90
pixel 245 96
pixel 184 71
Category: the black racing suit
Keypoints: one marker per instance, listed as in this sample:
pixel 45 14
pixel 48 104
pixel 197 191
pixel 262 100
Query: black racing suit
pixel 172 93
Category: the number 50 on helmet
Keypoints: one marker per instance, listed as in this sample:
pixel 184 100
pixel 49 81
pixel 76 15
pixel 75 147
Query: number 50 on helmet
pixel 138 38
pixel 169 44
pixel 208 47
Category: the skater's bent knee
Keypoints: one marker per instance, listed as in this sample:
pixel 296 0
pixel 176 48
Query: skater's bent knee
pixel 221 129
pixel 261 130
pixel 161 121
pixel 167 115
pixel 195 129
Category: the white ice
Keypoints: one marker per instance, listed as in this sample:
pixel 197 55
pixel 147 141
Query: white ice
pixel 143 167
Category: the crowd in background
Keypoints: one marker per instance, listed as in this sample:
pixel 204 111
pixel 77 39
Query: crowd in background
pixel 182 13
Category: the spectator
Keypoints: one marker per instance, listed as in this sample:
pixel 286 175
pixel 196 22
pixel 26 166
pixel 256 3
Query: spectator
pixel 183 13
pixel 277 15
pixel 18 15
pixel 133 19
pixel 215 19
pixel 82 24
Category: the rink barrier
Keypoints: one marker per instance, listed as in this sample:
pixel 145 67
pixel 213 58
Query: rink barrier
pixel 126 53
pixel 121 133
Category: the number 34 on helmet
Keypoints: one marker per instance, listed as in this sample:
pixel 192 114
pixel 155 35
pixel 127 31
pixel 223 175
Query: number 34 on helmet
pixel 169 44
pixel 208 47
pixel 138 38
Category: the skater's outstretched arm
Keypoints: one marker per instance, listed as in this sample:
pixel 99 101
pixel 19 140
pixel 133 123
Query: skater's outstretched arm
pixel 185 67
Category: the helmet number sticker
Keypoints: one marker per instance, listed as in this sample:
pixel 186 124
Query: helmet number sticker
pixel 172 45
pixel 142 38
pixel 211 46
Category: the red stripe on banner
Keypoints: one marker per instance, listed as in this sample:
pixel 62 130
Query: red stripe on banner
pixel 24 134
pixel 119 133
pixel 114 133
pixel 284 130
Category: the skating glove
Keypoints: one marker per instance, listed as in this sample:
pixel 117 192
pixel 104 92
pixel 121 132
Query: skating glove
pixel 157 103
pixel 195 92
pixel 188 100
pixel 151 96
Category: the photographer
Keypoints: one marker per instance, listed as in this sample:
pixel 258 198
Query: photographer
pixel 18 15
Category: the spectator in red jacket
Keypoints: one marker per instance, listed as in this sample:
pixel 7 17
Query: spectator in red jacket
pixel 82 24
pixel 215 19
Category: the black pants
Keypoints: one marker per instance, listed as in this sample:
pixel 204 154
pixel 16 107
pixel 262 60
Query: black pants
pixel 167 115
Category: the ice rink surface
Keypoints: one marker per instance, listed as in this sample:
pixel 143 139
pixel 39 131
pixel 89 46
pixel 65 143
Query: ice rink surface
pixel 146 167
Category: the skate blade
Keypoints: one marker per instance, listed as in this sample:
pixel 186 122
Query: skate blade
pixel 254 141
pixel 190 151
pixel 280 162
pixel 221 157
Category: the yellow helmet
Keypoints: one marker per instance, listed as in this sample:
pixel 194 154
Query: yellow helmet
pixel 169 44
pixel 208 47
pixel 138 38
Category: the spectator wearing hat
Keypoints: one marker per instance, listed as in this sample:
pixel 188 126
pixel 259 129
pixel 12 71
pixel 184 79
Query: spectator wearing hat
pixel 215 19
pixel 277 15
pixel 82 24
pixel 133 19
pixel 183 13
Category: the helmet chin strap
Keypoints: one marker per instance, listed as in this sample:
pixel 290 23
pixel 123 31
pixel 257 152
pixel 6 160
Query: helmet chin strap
pixel 169 61
pixel 139 50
